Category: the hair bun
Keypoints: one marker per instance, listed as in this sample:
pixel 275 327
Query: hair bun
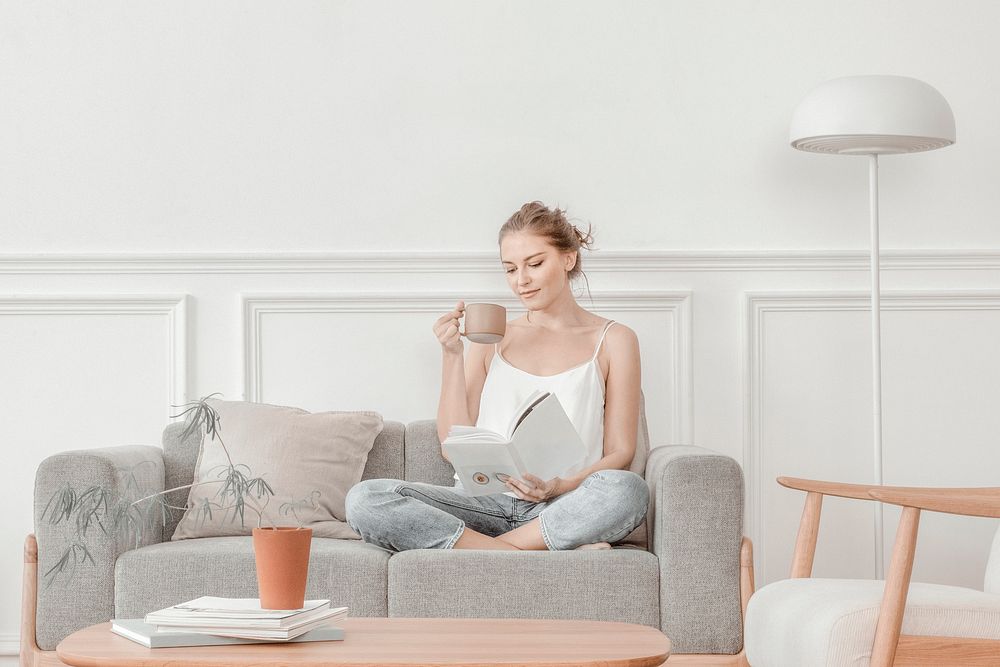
pixel 585 237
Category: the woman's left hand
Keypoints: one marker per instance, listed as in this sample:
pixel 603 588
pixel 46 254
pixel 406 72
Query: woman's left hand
pixel 534 489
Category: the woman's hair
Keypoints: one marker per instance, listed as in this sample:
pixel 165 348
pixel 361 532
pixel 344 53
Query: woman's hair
pixel 553 226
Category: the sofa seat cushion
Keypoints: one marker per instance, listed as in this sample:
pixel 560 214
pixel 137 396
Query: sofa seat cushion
pixel 828 622
pixel 616 585
pixel 347 572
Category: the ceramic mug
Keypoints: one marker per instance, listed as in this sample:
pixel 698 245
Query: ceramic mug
pixel 485 322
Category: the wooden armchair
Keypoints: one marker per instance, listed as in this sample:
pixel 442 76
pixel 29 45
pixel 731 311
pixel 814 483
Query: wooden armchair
pixel 801 621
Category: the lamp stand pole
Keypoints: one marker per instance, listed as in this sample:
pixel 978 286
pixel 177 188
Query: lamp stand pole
pixel 876 358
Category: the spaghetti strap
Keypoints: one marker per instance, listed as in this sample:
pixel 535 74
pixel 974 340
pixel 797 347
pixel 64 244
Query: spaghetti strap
pixel 598 349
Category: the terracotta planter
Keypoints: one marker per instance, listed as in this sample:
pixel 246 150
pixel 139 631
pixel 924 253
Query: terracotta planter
pixel 282 557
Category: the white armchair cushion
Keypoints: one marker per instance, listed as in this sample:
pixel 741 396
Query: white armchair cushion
pixel 831 622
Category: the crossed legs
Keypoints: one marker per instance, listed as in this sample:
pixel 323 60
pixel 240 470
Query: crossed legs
pixel 398 515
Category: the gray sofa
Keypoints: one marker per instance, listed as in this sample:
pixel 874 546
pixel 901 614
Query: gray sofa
pixel 687 583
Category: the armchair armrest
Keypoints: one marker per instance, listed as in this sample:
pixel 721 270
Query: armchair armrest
pixel 695 527
pixel 983 502
pixel 856 491
pixel 805 540
pixel 968 502
pixel 85 596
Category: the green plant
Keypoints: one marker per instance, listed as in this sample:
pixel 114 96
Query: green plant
pixel 127 515
pixel 311 503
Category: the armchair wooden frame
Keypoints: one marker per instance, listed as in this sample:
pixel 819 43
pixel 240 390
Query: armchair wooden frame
pixel 890 647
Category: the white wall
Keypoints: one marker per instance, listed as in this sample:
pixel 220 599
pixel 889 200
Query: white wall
pixel 414 129
pixel 284 126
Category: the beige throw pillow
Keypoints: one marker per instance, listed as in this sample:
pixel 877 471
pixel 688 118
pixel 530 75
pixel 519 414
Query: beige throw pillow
pixel 296 452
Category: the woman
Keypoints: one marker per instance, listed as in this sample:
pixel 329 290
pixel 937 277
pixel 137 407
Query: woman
pixel 592 366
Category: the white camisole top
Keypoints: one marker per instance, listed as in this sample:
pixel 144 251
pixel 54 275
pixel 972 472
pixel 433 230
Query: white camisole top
pixel 580 391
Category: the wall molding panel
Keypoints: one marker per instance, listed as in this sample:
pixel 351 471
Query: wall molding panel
pixel 678 304
pixel 174 306
pixel 486 262
pixel 218 305
pixel 756 307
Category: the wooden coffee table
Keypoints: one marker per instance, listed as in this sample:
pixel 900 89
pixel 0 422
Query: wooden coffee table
pixel 398 642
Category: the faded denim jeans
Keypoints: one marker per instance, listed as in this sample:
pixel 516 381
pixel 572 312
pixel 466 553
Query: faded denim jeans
pixel 398 515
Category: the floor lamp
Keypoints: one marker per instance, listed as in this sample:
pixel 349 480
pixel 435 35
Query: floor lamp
pixel 872 116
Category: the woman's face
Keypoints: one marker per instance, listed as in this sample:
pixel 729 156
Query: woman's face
pixel 536 271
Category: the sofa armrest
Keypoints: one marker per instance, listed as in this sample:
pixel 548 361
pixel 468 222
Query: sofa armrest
pixel 695 528
pixel 83 594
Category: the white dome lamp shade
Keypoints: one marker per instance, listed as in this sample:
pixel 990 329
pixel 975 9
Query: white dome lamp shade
pixel 872 115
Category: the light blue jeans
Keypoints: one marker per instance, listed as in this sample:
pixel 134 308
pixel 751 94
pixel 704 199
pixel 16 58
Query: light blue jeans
pixel 398 515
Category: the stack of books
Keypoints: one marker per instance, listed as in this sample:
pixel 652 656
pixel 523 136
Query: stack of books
pixel 214 620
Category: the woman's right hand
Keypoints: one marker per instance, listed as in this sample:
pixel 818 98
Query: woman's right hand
pixel 447 329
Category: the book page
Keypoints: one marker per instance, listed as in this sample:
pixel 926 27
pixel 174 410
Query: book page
pixel 217 607
pixel 527 405
pixel 547 442
pixel 460 433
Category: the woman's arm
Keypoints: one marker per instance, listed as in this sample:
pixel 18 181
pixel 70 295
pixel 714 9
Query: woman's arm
pixel 458 374
pixel 462 380
pixel 621 405
pixel 621 417
pixel 452 406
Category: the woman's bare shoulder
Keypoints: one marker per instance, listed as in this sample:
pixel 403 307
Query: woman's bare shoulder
pixel 621 337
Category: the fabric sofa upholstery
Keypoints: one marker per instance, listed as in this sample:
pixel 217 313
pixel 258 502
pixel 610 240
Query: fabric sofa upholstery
pixel 64 608
pixel 833 621
pixel 503 584
pixel 686 582
pixel 349 571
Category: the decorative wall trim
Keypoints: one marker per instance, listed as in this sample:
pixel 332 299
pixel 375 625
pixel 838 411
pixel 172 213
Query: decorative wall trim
pixel 486 262
pixel 254 306
pixel 10 643
pixel 758 304
pixel 174 307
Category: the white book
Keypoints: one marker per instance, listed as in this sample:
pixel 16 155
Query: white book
pixel 540 440
pixel 258 633
pixel 147 635
pixel 241 612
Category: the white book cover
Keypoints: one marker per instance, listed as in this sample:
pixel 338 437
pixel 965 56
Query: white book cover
pixel 256 633
pixel 147 635
pixel 242 612
pixel 540 440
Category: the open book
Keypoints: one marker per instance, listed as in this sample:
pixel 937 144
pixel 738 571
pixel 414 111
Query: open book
pixel 540 440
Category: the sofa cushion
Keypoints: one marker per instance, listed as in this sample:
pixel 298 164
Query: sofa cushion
pixel 347 572
pixel 385 461
pixel 616 585
pixel 309 459
pixel 831 622
pixel 422 459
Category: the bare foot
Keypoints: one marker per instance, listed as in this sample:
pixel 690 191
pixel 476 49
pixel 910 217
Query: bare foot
pixel 595 545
